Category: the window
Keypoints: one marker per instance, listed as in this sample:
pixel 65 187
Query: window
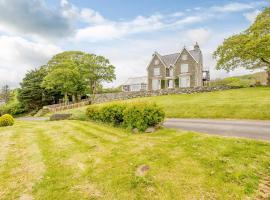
pixel 184 68
pixel 156 62
pixel 170 84
pixel 184 81
pixel 156 84
pixel 156 71
pixel 184 57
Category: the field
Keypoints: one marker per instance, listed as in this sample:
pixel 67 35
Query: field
pixel 84 160
pixel 246 103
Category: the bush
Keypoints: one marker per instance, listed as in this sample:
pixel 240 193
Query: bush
pixel 113 114
pixel 93 112
pixel 136 115
pixel 6 120
pixel 142 116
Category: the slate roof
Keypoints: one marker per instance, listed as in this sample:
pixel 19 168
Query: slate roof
pixel 136 80
pixel 171 58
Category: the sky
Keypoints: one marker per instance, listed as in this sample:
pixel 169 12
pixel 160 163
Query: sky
pixel 127 32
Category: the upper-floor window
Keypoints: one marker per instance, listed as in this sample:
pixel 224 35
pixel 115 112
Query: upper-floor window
pixel 184 57
pixel 156 71
pixel 156 62
pixel 184 68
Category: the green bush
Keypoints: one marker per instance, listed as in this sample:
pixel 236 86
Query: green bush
pixel 93 112
pixel 139 115
pixel 232 81
pixel 142 116
pixel 6 120
pixel 113 114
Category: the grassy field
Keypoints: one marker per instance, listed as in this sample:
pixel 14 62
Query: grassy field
pixel 246 103
pixel 83 160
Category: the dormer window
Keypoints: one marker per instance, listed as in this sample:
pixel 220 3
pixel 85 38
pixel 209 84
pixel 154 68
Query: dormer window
pixel 156 62
pixel 184 57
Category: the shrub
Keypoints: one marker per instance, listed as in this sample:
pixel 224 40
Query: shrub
pixel 93 112
pixel 113 113
pixel 6 120
pixel 138 115
pixel 142 115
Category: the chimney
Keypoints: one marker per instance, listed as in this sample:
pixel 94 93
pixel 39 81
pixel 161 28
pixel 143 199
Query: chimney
pixel 196 47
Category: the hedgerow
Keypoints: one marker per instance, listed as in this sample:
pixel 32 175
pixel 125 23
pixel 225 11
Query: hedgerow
pixel 140 115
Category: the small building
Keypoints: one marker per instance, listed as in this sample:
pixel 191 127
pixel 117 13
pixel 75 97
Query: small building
pixel 179 70
pixel 135 84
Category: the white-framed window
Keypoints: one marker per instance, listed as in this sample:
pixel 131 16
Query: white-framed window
pixel 156 84
pixel 184 68
pixel 170 83
pixel 184 57
pixel 184 81
pixel 156 62
pixel 156 71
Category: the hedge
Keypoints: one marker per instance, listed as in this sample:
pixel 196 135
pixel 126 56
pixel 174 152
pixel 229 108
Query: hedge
pixel 6 120
pixel 140 115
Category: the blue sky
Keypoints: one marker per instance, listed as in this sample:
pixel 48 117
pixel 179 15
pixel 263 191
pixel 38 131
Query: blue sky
pixel 127 32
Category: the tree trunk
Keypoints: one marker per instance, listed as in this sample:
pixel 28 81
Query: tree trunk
pixel 268 76
pixel 66 98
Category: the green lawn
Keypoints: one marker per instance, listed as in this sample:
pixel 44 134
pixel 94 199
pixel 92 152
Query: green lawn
pixel 246 103
pixel 84 160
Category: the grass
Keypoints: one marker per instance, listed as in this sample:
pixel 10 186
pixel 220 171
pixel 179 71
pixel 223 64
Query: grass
pixel 246 103
pixel 84 160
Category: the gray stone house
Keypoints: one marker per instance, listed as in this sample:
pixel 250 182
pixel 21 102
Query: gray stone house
pixel 183 69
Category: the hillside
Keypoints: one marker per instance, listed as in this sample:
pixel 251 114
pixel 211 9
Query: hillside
pixel 246 103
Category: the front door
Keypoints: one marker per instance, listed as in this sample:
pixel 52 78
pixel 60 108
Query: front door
pixel 185 81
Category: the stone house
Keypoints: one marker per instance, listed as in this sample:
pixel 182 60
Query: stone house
pixel 135 84
pixel 183 69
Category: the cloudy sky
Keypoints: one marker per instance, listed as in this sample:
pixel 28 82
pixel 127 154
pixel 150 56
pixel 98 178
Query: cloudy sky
pixel 125 31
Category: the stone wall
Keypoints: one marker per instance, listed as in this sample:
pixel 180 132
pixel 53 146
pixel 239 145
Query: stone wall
pixel 100 98
pixel 107 97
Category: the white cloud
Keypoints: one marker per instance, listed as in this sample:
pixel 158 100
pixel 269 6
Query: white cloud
pixel 19 55
pixel 200 35
pixel 251 16
pixel 91 16
pixel 232 7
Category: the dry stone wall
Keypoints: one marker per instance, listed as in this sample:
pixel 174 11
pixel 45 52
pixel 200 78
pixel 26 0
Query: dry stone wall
pixel 107 97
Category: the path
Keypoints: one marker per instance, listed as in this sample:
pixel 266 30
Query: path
pixel 253 129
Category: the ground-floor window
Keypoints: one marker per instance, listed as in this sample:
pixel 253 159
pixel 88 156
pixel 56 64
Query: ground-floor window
pixel 184 81
pixel 170 83
pixel 156 84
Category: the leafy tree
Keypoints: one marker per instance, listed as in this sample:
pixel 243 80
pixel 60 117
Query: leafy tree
pixel 64 77
pixel 249 49
pixel 96 69
pixel 68 60
pixel 32 95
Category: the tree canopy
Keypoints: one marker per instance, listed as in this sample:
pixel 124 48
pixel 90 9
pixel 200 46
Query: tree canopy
pixel 249 49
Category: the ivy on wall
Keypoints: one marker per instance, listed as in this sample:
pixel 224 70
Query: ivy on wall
pixel 176 83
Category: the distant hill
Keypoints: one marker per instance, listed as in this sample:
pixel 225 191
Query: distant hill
pixel 259 78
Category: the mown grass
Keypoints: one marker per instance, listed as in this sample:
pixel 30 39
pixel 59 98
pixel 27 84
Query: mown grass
pixel 246 103
pixel 84 160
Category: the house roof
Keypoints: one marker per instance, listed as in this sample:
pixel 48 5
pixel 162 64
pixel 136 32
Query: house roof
pixel 171 59
pixel 136 80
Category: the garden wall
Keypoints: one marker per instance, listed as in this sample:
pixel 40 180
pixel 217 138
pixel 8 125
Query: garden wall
pixel 100 98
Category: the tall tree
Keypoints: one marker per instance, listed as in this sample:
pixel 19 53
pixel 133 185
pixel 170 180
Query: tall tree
pixel 96 69
pixel 32 95
pixel 249 49
pixel 64 77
